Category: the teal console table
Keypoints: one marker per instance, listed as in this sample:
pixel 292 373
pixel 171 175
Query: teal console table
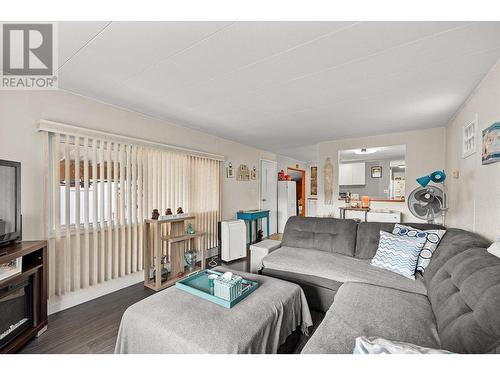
pixel 253 216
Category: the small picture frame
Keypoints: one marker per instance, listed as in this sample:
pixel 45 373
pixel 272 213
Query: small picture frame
pixel 230 171
pixel 11 268
pixel 376 172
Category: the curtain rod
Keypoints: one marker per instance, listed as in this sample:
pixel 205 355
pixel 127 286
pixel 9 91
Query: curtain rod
pixel 61 128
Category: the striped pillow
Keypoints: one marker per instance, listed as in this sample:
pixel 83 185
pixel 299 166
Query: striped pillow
pixel 398 254
pixel 433 237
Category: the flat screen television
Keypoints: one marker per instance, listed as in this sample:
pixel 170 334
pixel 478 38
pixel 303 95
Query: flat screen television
pixel 10 202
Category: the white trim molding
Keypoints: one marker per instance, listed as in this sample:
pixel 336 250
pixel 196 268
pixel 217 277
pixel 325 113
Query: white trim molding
pixel 59 303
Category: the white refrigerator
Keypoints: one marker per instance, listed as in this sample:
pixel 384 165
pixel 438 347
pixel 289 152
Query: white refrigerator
pixel 287 202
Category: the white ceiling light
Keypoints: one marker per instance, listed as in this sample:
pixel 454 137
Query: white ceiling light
pixel 365 151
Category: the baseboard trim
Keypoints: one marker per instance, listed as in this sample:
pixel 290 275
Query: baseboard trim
pixel 59 303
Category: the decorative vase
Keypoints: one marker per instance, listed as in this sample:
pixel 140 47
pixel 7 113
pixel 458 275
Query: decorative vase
pixel 191 256
pixel 164 274
pixel 190 229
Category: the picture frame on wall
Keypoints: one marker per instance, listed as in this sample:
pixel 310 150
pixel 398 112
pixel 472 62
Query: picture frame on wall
pixel 230 171
pixel 376 171
pixel 314 181
pixel 491 144
pixel 469 138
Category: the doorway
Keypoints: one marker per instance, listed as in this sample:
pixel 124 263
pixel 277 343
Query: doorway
pixel 269 194
pixel 299 176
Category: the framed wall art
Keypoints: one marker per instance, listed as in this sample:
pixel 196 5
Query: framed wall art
pixel 376 172
pixel 491 144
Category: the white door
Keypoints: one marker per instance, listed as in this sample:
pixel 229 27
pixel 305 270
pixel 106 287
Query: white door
pixel 269 194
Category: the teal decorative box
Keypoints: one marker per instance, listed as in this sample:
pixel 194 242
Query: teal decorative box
pixel 200 285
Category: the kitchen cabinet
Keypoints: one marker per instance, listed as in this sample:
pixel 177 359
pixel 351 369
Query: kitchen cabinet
pixel 352 174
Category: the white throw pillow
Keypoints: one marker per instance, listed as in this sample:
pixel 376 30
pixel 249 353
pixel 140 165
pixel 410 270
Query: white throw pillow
pixel 398 254
pixel 378 345
pixel 433 237
pixel 494 249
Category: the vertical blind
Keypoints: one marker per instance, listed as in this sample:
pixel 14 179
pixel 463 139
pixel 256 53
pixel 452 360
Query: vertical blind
pixel 101 191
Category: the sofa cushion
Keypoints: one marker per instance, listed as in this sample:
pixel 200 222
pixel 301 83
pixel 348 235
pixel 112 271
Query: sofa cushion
pixel 368 310
pixel 465 296
pixel 454 242
pixel 326 234
pixel 338 267
pixel 368 236
pixel 398 254
pixel 433 236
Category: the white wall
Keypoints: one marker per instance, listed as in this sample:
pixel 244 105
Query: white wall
pixel 20 112
pixel 474 197
pixel 284 162
pixel 424 154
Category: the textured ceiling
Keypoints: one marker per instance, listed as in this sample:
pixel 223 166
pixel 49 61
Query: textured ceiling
pixel 281 86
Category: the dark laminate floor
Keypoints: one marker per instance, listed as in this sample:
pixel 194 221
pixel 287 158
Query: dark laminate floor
pixel 92 327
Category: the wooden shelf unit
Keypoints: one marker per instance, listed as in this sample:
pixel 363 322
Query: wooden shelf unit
pixel 168 237
pixel 185 237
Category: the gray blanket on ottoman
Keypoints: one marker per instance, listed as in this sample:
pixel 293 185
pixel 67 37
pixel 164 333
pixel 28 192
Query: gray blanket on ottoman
pixel 175 321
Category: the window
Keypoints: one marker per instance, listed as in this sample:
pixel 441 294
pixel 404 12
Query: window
pixel 101 191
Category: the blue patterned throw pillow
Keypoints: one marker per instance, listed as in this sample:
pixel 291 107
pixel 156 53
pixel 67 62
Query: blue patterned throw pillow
pixel 433 237
pixel 398 254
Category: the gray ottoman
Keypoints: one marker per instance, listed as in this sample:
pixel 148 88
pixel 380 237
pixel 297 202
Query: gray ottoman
pixel 175 321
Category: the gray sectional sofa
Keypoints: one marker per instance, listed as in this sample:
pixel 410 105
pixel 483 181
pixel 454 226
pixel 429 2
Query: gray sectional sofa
pixel 454 306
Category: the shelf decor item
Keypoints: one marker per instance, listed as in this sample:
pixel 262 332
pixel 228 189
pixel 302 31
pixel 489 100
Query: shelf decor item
pixel 190 257
pixel 155 214
pixel 190 229
pixel 365 201
pixel 202 284
pixel 491 144
pixel 164 274
pixel 11 268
